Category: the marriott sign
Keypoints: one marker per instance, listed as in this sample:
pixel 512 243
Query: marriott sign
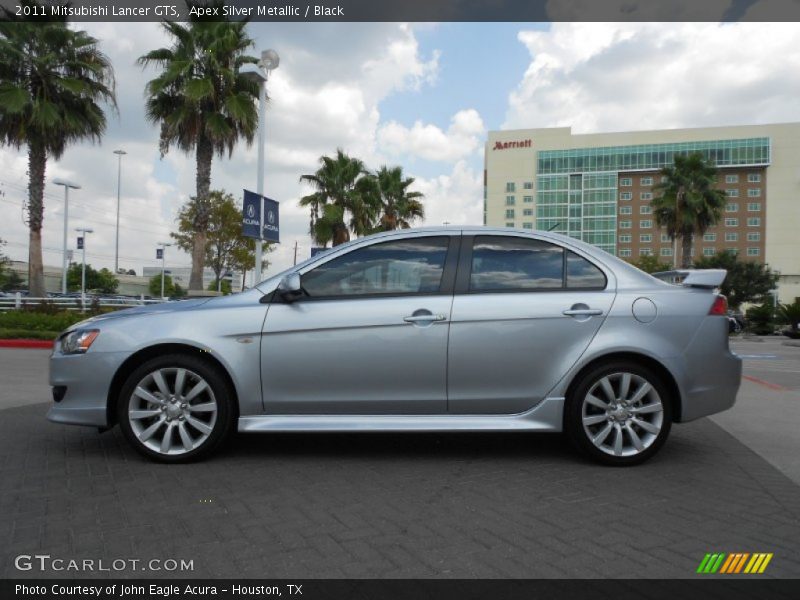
pixel 498 145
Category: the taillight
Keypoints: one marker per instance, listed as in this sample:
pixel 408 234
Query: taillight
pixel 720 306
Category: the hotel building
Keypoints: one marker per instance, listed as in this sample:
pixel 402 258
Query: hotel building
pixel 599 188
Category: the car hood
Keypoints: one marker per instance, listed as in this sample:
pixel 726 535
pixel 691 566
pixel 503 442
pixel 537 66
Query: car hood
pixel 150 309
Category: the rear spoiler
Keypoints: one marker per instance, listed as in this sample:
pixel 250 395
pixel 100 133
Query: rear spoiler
pixel 699 278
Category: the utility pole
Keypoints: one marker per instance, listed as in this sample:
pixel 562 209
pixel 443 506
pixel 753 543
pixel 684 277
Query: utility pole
pixel 119 154
pixel 82 245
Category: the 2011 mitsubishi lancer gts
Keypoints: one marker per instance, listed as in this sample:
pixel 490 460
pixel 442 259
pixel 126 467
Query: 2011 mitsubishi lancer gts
pixel 441 329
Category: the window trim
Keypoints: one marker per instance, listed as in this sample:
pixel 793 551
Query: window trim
pixel 464 273
pixel 445 286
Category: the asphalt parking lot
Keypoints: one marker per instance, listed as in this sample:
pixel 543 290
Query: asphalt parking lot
pixel 417 505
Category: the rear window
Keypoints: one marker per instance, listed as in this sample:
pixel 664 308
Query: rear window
pixel 507 263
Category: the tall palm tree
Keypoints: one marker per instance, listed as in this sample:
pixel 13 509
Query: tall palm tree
pixel 53 80
pixel 688 203
pixel 203 102
pixel 346 199
pixel 398 205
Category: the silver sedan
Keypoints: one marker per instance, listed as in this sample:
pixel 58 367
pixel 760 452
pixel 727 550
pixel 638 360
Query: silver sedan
pixel 441 329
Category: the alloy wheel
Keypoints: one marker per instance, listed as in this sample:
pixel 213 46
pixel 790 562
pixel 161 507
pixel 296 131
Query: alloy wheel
pixel 172 411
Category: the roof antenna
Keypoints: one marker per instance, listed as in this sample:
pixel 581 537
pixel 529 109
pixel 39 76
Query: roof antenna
pixel 554 226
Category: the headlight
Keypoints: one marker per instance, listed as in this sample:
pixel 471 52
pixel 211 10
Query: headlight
pixel 78 341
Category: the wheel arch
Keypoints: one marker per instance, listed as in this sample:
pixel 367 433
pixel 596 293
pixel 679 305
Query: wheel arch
pixel 140 357
pixel 646 361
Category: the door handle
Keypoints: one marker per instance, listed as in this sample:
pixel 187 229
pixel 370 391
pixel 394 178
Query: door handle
pixel 582 312
pixel 423 318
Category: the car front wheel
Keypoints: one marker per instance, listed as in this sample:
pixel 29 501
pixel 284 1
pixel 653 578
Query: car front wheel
pixel 619 414
pixel 175 408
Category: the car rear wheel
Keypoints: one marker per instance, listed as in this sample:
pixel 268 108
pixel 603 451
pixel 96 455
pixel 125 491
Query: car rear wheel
pixel 175 408
pixel 619 414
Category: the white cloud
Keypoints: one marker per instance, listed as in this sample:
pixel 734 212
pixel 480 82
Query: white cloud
pixel 608 77
pixel 455 198
pixel 464 135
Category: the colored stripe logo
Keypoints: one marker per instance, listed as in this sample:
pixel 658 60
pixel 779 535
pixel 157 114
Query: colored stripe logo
pixel 735 562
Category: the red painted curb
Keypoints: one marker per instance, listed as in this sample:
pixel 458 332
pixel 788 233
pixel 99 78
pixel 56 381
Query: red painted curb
pixel 26 344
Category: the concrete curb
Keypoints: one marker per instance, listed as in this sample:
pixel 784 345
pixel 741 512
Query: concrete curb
pixel 26 344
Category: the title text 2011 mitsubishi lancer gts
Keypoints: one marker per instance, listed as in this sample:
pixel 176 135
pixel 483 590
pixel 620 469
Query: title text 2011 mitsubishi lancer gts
pixel 442 329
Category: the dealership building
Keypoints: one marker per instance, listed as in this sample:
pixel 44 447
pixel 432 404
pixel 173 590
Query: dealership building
pixel 599 187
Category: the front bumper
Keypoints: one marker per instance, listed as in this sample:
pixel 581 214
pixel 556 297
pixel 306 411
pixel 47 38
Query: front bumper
pixel 87 379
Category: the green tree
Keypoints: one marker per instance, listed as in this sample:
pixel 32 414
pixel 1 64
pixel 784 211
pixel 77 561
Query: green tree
pixel 226 249
pixel 687 203
pixel 53 80
pixel 399 206
pixel 790 314
pixel 346 198
pixel 171 289
pixel 745 282
pixel 761 318
pixel 651 264
pixel 203 103
pixel 102 281
pixel 224 287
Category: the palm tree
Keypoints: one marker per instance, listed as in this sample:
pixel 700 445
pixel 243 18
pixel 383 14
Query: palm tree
pixel 688 204
pixel 344 190
pixel 399 206
pixel 52 82
pixel 203 102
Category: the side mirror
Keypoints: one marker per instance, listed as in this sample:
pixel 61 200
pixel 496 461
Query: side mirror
pixel 290 288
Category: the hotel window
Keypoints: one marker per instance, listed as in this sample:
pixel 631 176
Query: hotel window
pixel 646 224
pixel 754 221
pixel 509 224
pixel 624 224
pixel 626 210
pixel 753 251
pixel 528 212
pixel 625 252
pixel 709 251
pixel 664 179
pixel 732 193
pixel 731 236
pixel 510 213
pixel 511 186
pixel 625 195
pixel 527 199
pixel 754 193
pixel 645 252
pixel 666 252
pixel 625 239
pixel 646 181
pixel 754 236
pixel 731 207
pixel 646 238
pixel 646 210
pixel 528 185
pixel 734 251
pixel 753 206
pixel 665 238
pixel 731 179
pixel 710 237
pixel 510 200
pixel 646 195
pixel 754 178
pixel 625 182
pixel 730 222
pixel 527 225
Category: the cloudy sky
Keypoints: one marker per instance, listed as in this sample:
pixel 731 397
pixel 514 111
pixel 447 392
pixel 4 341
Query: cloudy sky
pixel 422 96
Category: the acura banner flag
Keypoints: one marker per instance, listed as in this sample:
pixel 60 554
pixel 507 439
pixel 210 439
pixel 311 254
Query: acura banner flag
pixel 251 217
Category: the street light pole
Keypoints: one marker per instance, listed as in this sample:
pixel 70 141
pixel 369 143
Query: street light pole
pixel 84 231
pixel 119 154
pixel 163 259
pixel 74 186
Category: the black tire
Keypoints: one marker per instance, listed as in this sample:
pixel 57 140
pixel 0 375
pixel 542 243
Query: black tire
pixel 574 414
pixel 218 390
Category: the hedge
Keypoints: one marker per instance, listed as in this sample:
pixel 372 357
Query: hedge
pixel 30 322
pixel 27 334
